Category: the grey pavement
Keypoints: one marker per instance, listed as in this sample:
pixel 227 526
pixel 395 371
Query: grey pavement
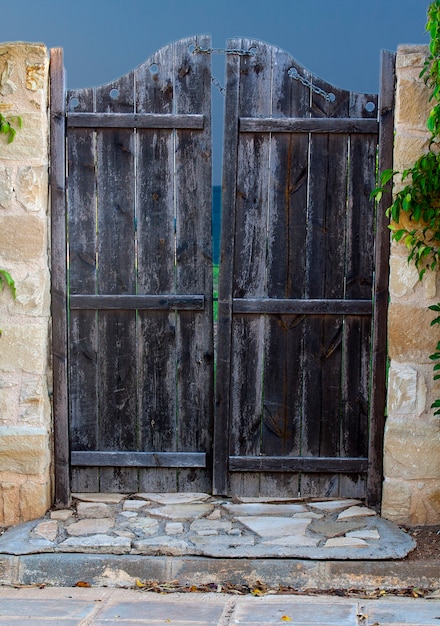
pixel 125 607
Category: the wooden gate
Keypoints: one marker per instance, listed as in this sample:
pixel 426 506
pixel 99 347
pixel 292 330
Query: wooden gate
pixel 140 357
pixel 300 375
pixel 296 284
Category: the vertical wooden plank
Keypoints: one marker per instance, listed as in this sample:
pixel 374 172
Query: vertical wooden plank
pixel 382 252
pixel 355 378
pixel 156 269
pixel 193 177
pixel 287 186
pixel 59 277
pixel 118 426
pixel 325 264
pixel 248 331
pixel 83 369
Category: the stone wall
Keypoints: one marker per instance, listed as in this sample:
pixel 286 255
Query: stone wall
pixel 412 437
pixel 25 412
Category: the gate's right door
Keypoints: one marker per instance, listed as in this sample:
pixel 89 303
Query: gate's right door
pixel 296 281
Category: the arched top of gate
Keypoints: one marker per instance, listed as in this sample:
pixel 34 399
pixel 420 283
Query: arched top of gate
pixel 158 85
pixel 285 87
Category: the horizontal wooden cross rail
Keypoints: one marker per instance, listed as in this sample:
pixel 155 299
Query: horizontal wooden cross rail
pixel 163 302
pixel 343 125
pixel 91 458
pixel 135 120
pixel 285 306
pixel 319 465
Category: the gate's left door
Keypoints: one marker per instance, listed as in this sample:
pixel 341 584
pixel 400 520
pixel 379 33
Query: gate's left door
pixel 140 345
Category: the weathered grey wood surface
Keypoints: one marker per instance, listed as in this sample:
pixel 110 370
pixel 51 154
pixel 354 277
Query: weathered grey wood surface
pixel 295 296
pixel 139 219
pixel 381 294
pixel 295 362
pixel 59 278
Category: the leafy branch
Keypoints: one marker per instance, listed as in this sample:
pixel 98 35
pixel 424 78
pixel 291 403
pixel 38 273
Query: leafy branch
pixel 415 209
pixel 7 126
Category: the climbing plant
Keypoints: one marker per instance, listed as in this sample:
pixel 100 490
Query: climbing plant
pixel 7 128
pixel 415 209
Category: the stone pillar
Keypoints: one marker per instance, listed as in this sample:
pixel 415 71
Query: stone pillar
pixel 411 492
pixel 25 411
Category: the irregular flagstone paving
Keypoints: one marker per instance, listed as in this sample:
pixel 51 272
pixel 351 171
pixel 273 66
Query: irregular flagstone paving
pixel 198 524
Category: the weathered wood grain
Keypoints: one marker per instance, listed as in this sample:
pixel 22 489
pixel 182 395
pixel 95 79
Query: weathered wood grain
pixel 141 276
pixel 83 333
pixel 59 277
pixel 156 196
pixel 296 301
pixel 296 279
pixel 139 459
pixel 155 302
pixel 308 125
pixel 195 350
pixel 382 252
pixel 284 463
pixel 134 120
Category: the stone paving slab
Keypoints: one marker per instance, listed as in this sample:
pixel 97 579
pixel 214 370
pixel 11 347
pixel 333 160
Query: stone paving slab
pixel 201 525
pixel 123 607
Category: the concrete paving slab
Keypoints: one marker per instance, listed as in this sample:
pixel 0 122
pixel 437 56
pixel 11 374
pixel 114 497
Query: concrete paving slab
pixel 399 611
pixel 149 608
pixel 299 611
pixel 127 607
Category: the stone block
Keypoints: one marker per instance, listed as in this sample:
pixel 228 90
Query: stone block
pixel 24 348
pixel 407 149
pixel 396 501
pixel 24 450
pixel 412 450
pixel 35 76
pixel 406 390
pixel 30 143
pixel 9 503
pixel 9 393
pixel 33 402
pixel 411 56
pixel 35 498
pixel 411 338
pixel 6 187
pixel 22 237
pixel 94 510
pixel 404 277
pixel 425 503
pixel 412 103
pixel 31 187
pixel 32 293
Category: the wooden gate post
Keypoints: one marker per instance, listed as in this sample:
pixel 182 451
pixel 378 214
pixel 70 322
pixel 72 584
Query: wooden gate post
pixel 59 276
pixel 382 254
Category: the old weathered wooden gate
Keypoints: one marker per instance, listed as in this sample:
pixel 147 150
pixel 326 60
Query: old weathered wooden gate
pixel 300 375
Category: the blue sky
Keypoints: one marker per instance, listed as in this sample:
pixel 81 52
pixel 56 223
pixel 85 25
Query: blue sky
pixel 339 40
